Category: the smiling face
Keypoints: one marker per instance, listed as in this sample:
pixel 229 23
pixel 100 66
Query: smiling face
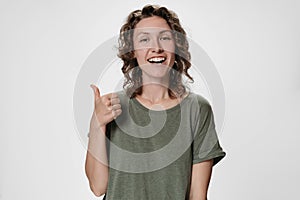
pixel 154 47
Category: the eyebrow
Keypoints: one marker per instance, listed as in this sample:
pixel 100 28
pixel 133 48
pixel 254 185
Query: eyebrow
pixel 147 33
pixel 140 33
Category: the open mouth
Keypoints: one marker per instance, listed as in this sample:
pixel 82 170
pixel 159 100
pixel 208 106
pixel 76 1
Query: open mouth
pixel 156 60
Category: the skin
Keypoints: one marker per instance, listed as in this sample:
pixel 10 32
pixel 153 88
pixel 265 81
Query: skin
pixel 201 174
pixel 106 108
pixel 152 38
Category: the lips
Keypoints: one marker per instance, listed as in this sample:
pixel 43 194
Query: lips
pixel 158 59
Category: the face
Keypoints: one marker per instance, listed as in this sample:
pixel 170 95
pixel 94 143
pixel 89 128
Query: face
pixel 154 47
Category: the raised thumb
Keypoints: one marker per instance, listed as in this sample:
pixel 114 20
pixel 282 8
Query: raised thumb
pixel 96 91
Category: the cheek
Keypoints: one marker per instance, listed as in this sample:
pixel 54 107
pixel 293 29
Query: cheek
pixel 140 54
pixel 169 47
pixel 172 60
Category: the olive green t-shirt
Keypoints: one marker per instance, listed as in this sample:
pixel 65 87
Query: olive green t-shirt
pixel 151 152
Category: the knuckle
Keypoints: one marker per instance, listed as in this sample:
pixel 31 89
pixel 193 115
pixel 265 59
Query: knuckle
pixel 115 101
pixel 106 102
pixel 109 107
pixel 117 106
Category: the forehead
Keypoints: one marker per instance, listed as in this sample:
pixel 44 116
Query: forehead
pixel 152 24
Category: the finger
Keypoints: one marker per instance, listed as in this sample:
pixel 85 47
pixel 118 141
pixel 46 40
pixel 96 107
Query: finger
pixel 113 95
pixel 115 101
pixel 109 108
pixel 116 113
pixel 110 96
pixel 116 106
pixel 96 91
pixel 106 102
pixel 110 102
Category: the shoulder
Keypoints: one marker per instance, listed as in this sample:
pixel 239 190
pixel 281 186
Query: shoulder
pixel 198 101
pixel 199 109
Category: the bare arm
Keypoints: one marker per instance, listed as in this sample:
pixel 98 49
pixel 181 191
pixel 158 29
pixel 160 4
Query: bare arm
pixel 106 109
pixel 201 174
pixel 96 168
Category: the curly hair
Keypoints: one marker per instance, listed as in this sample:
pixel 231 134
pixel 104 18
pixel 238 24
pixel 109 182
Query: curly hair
pixel 130 69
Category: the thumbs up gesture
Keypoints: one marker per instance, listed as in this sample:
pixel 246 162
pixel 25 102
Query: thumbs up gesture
pixel 107 107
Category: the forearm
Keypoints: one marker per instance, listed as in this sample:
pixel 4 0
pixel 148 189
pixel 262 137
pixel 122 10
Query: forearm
pixel 201 174
pixel 197 197
pixel 96 161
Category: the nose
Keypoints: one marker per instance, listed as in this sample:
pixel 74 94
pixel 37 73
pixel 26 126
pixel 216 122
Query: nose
pixel 156 46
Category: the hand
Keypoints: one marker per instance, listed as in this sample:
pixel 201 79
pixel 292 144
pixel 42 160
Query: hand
pixel 107 108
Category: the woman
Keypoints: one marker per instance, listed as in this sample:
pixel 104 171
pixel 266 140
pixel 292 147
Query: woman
pixel 169 131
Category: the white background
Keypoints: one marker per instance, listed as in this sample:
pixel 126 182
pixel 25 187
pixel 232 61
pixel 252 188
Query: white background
pixel 255 46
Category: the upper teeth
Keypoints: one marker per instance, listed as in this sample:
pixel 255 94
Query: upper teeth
pixel 156 59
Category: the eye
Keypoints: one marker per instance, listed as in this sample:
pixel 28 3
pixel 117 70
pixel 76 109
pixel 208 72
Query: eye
pixel 165 38
pixel 143 40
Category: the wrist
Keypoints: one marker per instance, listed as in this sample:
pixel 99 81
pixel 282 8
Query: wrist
pixel 97 130
pixel 95 123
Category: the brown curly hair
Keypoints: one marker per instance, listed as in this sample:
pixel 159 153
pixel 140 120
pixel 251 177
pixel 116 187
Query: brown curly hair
pixel 130 69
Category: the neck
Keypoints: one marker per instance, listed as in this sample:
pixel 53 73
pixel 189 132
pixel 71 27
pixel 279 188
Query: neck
pixel 155 93
pixel 155 90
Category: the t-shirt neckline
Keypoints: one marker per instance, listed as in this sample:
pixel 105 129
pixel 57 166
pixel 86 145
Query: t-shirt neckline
pixel 177 106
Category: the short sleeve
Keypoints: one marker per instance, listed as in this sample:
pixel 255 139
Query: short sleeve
pixel 206 144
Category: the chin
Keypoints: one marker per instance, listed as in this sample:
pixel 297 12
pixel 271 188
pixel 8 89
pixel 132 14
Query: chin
pixel 156 75
pixel 156 71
